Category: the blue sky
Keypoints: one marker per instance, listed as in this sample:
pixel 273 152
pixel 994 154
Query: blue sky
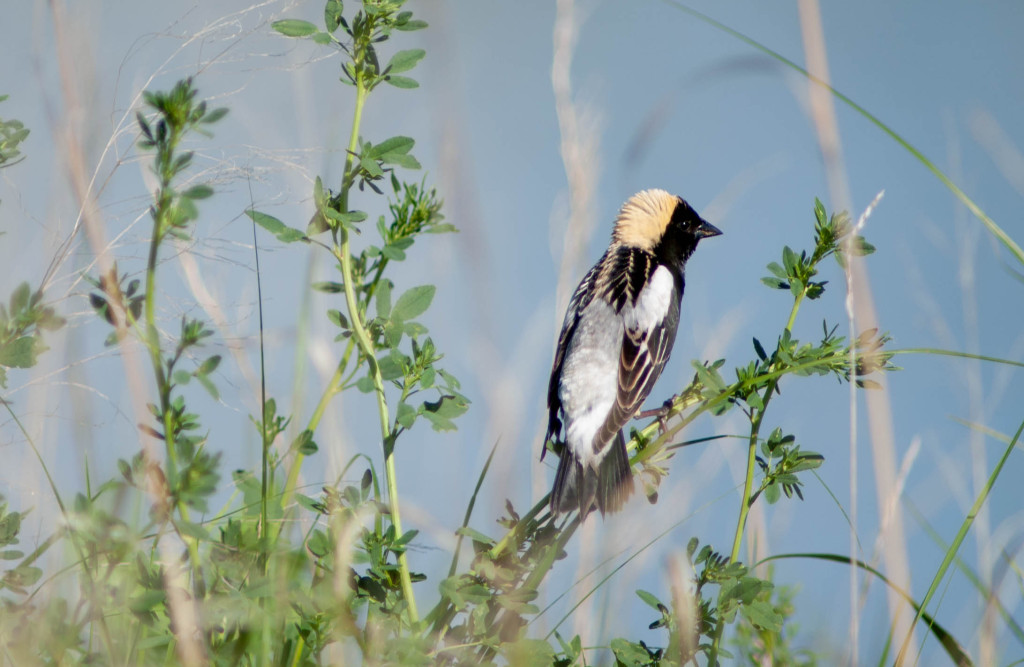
pixel 726 127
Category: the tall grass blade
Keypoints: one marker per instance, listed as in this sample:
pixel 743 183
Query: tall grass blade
pixel 968 572
pixel 958 540
pixel 953 648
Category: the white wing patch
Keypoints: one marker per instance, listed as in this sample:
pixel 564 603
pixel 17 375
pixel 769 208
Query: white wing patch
pixel 653 302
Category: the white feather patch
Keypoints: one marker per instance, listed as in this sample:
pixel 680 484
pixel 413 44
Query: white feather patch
pixel 589 381
pixel 653 302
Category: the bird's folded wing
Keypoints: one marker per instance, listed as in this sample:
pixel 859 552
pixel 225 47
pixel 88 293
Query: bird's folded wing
pixel 643 357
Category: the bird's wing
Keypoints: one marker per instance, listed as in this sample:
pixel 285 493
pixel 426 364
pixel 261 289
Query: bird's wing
pixel 645 349
pixel 580 298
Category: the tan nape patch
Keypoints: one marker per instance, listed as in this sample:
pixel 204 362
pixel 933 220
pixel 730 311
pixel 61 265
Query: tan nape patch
pixel 643 219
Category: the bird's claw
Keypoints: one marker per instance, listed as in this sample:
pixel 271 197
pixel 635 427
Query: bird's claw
pixel 660 413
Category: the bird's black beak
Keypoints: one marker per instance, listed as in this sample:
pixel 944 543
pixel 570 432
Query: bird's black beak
pixel 706 229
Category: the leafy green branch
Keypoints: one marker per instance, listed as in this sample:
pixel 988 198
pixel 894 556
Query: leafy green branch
pixel 382 360
pixel 190 472
pixel 12 134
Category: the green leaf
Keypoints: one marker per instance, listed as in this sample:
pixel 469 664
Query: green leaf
pixel 304 444
pixel 789 260
pixel 198 192
pixel 709 377
pixel 23 576
pixel 319 544
pixel 371 167
pixel 393 333
pixel 348 216
pixel 862 247
pixel 332 14
pixel 403 61
pixel 322 38
pixel 294 27
pixel 308 503
pixel 406 161
pixel 413 302
pixel 282 231
pixel 629 654
pixel 760 350
pixel 392 366
pixel 393 253
pixel 414 330
pixel 210 365
pixel 338 318
pixel 190 529
pixel 383 299
pixel 406 415
pixel 329 287
pixel 819 212
pixel 146 601
pixel 762 614
pixel 208 386
pixel 649 599
pixel 778 271
pixel 441 412
pixel 20 298
pixel 408 537
pixel 409 26
pixel 19 353
pixel 10 525
pixel 214 115
pixel 402 81
pixel 403 243
pixel 398 145
pixel 528 652
pixel 450 380
pixel 475 535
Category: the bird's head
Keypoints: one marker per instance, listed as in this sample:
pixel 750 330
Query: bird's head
pixel 662 224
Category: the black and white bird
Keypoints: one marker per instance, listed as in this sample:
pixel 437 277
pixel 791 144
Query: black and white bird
pixel 616 337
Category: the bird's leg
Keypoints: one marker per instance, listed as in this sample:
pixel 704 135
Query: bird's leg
pixel 661 413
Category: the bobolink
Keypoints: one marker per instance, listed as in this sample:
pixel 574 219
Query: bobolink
pixel 616 337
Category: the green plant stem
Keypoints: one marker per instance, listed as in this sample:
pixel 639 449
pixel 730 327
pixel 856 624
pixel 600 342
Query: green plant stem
pixel 746 500
pixel 152 339
pixel 755 431
pixel 265 441
pixel 516 532
pixel 343 254
pixel 532 581
pixel 333 387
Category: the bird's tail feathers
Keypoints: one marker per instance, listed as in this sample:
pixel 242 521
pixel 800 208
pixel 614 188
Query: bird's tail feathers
pixel 582 487
pixel 567 494
pixel 615 478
